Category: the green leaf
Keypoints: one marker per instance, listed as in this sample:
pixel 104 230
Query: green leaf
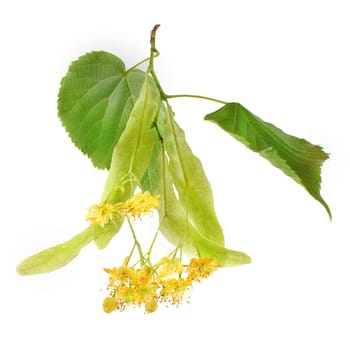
pixel 191 182
pixel 178 230
pixel 296 157
pixel 132 154
pixel 94 103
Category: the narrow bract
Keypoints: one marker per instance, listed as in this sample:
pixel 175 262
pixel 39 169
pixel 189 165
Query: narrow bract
pixel 132 154
pixel 191 183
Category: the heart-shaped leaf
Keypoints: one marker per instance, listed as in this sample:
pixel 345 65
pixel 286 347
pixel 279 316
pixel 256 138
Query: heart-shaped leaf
pixel 95 101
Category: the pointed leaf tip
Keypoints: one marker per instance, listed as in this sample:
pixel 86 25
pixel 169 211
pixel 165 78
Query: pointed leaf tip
pixel 297 158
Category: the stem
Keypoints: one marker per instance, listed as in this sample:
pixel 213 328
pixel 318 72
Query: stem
pixel 154 53
pixel 196 96
pixel 178 248
pixel 137 243
pixel 131 253
pixel 152 244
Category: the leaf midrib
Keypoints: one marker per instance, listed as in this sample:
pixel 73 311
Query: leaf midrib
pixel 286 145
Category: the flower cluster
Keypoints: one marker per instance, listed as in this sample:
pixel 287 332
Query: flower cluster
pixel 168 281
pixel 138 205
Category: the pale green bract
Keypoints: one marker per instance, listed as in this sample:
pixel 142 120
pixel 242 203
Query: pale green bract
pixel 60 255
pixel 191 183
pixel 151 177
pixel 133 152
pixel 296 157
pixel 177 228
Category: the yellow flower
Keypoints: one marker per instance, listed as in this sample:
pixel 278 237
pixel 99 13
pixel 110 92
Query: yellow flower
pixel 168 267
pixel 144 275
pixel 168 281
pixel 200 268
pixel 110 304
pixel 147 294
pixel 151 306
pixel 141 203
pixel 120 275
pixel 100 214
pixel 128 287
pixel 174 290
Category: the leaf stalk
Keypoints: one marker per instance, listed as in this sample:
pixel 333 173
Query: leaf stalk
pixel 197 96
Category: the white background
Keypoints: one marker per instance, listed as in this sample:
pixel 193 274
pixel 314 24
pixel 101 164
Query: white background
pixel 286 61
